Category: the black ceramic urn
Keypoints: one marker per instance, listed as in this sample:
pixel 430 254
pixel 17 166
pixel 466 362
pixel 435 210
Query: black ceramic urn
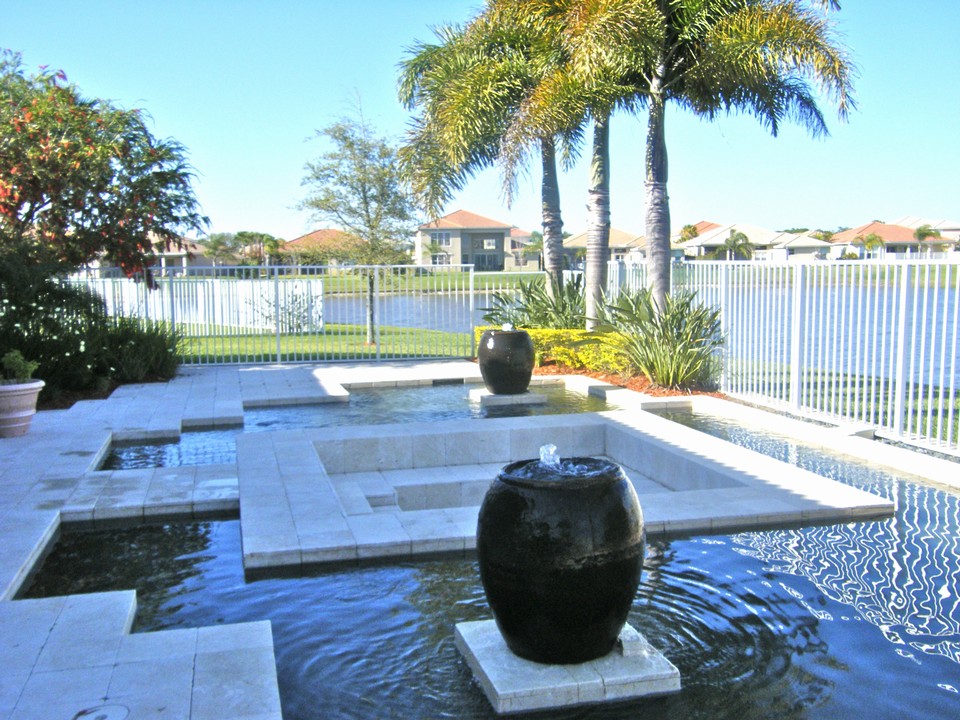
pixel 506 361
pixel 560 552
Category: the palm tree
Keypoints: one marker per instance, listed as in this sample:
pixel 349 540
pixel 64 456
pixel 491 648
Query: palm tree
pixel 737 245
pixel 871 242
pixel 925 232
pixel 565 101
pixel 466 90
pixel 688 232
pixel 762 57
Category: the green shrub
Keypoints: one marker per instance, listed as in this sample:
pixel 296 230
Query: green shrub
pixel 67 329
pixel 577 349
pixel 63 327
pixel 675 348
pixel 137 351
pixel 532 306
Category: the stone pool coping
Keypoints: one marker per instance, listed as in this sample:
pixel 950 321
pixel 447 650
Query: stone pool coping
pixel 65 653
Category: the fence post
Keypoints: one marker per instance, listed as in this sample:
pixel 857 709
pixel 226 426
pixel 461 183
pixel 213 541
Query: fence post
pixel 900 376
pixel 173 304
pixel 725 305
pixel 796 335
pixel 473 302
pixel 376 310
pixel 276 307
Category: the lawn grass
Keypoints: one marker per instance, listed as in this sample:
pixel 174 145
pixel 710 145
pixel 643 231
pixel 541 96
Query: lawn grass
pixel 336 342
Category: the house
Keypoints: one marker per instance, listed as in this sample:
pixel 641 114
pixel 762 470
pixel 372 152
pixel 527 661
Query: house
pixel 696 230
pixel 465 238
pixel 622 243
pixel 794 246
pixel 522 257
pixel 948 229
pixel 319 246
pixel 167 261
pixel 175 260
pixel 894 240
pixel 709 242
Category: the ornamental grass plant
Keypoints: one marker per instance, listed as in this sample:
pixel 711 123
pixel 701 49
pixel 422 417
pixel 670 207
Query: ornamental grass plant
pixel 674 348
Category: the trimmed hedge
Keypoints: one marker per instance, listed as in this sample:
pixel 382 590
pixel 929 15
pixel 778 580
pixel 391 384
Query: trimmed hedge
pixel 578 349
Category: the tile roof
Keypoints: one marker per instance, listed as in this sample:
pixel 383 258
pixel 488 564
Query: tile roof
pixel 462 219
pixel 618 239
pixel 716 237
pixel 326 239
pixel 890 234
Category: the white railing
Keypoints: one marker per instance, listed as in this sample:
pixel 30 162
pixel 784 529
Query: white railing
pixel 274 314
pixel 858 341
pixel 862 341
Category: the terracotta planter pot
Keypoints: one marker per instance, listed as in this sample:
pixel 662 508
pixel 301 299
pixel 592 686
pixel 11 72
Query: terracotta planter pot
pixel 506 360
pixel 560 557
pixel 18 405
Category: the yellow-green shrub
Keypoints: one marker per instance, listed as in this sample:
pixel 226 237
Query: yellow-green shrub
pixel 578 349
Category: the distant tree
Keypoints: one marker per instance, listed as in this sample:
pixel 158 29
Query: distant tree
pixel 926 233
pixel 262 248
pixel 221 247
pixel 871 242
pixel 688 232
pixel 81 179
pixel 825 235
pixel 795 231
pixel 737 245
pixel 357 186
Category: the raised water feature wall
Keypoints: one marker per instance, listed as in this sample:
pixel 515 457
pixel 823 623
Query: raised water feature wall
pixel 345 493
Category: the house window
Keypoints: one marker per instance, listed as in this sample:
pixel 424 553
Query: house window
pixel 487 261
pixel 440 259
pixel 440 239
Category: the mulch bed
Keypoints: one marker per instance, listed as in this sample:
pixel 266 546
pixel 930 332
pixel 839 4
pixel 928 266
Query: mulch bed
pixel 66 398
pixel 637 383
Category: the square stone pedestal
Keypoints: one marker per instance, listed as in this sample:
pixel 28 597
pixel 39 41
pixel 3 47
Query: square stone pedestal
pixel 488 399
pixel 633 669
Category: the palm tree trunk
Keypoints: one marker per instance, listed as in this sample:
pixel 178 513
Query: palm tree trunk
pixel 552 249
pixel 657 202
pixel 598 221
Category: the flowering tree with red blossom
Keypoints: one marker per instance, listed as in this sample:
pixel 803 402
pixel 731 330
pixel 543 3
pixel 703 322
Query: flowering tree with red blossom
pixel 81 179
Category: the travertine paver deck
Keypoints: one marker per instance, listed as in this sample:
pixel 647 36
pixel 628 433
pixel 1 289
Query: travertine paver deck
pixel 309 496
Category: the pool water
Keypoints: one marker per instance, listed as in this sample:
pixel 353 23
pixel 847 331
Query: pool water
pixel 367 406
pixel 839 621
pixel 750 642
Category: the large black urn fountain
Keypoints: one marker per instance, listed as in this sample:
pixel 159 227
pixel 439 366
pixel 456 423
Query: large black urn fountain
pixel 506 359
pixel 560 546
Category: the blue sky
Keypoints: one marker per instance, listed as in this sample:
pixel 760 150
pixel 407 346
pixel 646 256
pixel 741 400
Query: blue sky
pixel 244 85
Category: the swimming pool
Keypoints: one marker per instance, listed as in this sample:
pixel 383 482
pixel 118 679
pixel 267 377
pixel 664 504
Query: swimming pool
pixel 803 623
pixel 367 406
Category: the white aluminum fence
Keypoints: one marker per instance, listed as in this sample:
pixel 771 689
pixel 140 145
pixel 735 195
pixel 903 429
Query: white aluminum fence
pixel 854 341
pixel 290 314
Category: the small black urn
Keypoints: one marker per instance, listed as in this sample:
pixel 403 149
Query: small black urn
pixel 560 548
pixel 506 360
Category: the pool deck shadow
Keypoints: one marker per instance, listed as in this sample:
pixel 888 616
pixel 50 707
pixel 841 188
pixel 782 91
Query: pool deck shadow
pixel 343 494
